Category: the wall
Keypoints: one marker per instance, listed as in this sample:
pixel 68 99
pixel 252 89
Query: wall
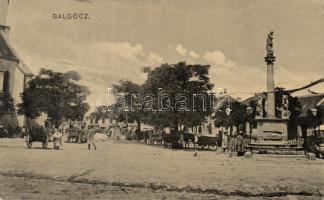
pixel 7 65
pixel 3 11
pixel 18 86
pixel 16 83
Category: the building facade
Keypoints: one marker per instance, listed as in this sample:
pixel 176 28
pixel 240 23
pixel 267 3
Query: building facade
pixel 310 120
pixel 14 73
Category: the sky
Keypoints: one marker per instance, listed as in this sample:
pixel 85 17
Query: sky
pixel 122 36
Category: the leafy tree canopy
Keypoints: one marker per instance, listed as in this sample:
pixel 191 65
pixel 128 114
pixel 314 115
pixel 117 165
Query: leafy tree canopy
pixel 177 79
pixel 57 94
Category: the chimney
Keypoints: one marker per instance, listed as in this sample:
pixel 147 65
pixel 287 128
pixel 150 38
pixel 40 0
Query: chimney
pixel 4 29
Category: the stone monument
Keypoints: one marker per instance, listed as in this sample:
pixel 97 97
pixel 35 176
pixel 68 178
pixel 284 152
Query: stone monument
pixel 269 127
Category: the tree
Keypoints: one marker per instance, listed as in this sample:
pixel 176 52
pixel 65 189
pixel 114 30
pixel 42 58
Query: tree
pixel 56 94
pixel 7 103
pixel 237 116
pixel 132 111
pixel 187 87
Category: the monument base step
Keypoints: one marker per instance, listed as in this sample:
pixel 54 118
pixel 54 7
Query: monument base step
pixel 277 148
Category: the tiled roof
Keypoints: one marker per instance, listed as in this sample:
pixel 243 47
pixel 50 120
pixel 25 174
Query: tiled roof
pixel 223 100
pixel 8 52
pixel 310 101
pixel 5 51
pixel 253 98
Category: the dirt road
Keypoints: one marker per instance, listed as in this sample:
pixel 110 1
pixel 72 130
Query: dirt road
pixel 137 171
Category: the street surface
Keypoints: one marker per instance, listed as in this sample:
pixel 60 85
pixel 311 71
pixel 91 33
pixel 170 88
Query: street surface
pixel 129 170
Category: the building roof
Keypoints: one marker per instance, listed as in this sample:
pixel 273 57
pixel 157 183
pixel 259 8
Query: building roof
pixel 9 53
pixel 310 101
pixel 24 68
pixel 222 100
pixel 253 98
pixel 5 50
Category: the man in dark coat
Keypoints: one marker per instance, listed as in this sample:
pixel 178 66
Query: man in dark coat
pixel 240 144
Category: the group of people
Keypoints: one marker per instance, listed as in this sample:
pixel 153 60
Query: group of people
pixel 57 138
pixel 115 132
pixel 234 143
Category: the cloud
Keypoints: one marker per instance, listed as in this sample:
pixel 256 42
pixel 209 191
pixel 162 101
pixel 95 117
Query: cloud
pixel 245 80
pixel 123 50
pixel 216 57
pixel 154 59
pixel 181 50
pixel 238 79
pixel 194 54
pixel 102 64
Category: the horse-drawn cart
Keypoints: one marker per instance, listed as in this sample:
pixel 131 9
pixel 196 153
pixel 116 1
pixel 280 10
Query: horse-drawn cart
pixel 38 134
pixel 76 135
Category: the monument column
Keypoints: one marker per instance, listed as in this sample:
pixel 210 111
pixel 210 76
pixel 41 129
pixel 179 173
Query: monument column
pixel 270 127
pixel 270 59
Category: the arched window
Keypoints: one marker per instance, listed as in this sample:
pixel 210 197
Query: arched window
pixel 4 81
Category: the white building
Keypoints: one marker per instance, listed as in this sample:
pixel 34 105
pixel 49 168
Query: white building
pixel 14 73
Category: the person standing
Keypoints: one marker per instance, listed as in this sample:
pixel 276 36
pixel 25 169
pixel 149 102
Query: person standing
pixel 115 131
pixel 196 143
pixel 234 143
pixel 240 144
pixel 90 137
pixel 57 139
pixel 224 141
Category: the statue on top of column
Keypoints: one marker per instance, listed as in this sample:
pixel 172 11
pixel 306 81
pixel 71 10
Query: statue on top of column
pixel 269 45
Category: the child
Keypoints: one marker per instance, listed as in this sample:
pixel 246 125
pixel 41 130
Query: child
pixel 57 139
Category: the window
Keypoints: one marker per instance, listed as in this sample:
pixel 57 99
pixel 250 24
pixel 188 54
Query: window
pixel 199 129
pixel 4 81
pixel 1 81
pixel 103 120
pixel 96 121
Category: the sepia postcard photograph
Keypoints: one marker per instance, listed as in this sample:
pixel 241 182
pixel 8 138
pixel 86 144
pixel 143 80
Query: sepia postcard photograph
pixel 161 99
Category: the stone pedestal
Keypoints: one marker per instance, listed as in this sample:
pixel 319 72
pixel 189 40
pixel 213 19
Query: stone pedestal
pixel 272 129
